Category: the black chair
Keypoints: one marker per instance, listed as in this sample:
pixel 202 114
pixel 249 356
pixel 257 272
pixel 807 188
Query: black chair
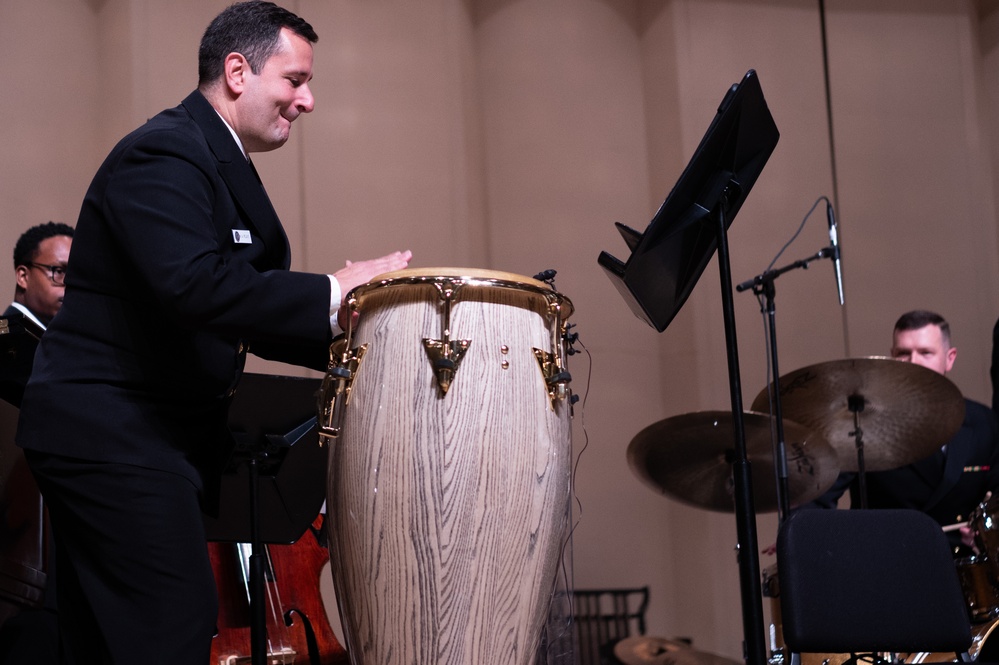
pixel 603 617
pixel 869 581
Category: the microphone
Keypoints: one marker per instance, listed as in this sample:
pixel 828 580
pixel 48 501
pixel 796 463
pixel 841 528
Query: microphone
pixel 834 241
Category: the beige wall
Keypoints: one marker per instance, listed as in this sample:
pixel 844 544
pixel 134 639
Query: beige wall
pixel 511 134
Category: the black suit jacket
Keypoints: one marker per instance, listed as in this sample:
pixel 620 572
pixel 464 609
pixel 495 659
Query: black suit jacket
pixel 946 486
pixel 164 296
pixel 19 336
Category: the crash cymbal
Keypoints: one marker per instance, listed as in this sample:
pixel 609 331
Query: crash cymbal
pixel 909 411
pixel 642 650
pixel 689 457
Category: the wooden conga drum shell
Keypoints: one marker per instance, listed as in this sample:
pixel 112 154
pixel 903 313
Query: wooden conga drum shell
pixel 448 511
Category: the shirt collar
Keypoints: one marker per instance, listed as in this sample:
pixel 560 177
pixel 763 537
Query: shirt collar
pixel 27 312
pixel 234 136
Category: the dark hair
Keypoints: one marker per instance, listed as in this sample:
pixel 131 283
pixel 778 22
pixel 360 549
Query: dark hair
pixel 26 248
pixel 251 29
pixel 920 318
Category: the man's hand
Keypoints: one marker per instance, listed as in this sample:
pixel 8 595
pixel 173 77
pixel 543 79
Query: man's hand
pixel 362 272
pixel 968 537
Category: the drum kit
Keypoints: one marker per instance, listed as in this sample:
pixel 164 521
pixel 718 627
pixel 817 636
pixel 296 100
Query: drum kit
pixel 979 577
pixel 846 415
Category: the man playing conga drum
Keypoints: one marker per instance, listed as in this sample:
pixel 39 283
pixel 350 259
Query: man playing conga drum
pixel 180 266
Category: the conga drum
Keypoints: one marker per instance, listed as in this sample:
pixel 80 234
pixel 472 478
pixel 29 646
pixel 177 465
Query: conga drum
pixel 448 409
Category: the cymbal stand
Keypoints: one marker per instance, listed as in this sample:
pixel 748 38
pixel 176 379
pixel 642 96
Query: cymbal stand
pixel 764 285
pixel 856 405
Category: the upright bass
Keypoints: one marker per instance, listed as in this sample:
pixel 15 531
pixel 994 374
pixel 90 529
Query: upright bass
pixel 298 629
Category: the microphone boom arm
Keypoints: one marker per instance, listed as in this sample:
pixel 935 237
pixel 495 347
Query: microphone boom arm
pixel 756 283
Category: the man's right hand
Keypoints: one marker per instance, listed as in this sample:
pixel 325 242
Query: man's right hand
pixel 362 272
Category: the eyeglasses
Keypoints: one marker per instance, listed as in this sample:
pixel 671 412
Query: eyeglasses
pixel 56 274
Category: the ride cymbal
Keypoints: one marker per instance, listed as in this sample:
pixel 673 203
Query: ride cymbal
pixel 642 650
pixel 689 457
pixel 907 411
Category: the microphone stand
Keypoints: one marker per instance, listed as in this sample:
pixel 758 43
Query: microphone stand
pixel 764 284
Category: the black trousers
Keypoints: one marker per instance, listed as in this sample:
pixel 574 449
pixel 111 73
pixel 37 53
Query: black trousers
pixel 135 580
pixel 30 637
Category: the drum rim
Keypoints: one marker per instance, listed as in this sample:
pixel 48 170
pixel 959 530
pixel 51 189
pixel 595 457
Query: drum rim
pixel 470 276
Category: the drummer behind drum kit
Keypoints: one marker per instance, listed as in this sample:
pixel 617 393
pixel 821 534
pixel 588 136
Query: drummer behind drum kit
pixel 871 414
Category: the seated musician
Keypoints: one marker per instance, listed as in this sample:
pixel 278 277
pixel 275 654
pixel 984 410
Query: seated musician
pixel 951 483
pixel 40 258
pixel 30 635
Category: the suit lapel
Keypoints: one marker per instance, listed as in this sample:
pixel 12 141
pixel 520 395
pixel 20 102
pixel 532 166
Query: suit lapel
pixel 957 457
pixel 243 182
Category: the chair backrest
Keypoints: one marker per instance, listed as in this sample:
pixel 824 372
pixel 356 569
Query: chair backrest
pixel 863 581
pixel 603 617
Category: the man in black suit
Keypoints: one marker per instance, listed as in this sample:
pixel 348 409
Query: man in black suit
pixel 951 483
pixel 179 267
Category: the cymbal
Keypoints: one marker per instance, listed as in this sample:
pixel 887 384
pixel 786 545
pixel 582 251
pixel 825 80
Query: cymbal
pixel 689 457
pixel 642 650
pixel 909 411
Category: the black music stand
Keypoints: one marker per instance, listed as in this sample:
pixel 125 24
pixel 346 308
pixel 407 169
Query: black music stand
pixel 274 481
pixel 669 257
pixel 275 416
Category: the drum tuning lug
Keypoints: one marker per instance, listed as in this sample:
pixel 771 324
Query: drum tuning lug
pixel 556 379
pixel 570 339
pixel 340 372
pixel 335 391
pixel 560 377
pixel 445 356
